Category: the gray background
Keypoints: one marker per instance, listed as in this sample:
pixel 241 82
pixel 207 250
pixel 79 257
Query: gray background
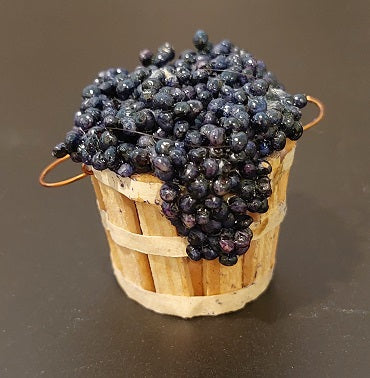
pixel 62 313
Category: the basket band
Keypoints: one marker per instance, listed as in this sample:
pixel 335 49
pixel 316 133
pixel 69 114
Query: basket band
pixel 175 246
pixel 149 191
pixel 187 307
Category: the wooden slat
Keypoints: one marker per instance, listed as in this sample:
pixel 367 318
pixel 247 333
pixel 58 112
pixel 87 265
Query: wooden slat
pixel 250 260
pixel 98 193
pixel 281 188
pixel 266 252
pixel 211 277
pixel 274 247
pixel 196 274
pixel 231 277
pixel 171 275
pixel 275 175
pixel 122 212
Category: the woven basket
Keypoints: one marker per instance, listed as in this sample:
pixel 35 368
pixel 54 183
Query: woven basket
pixel 149 258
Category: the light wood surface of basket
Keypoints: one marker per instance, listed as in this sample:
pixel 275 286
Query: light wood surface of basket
pixel 149 258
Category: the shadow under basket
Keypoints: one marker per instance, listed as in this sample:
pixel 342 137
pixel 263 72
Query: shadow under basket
pixel 149 258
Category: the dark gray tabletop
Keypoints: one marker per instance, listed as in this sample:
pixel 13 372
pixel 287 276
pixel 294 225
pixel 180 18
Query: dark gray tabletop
pixel 62 313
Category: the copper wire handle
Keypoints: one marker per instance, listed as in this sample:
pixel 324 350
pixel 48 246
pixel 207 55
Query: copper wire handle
pixel 50 167
pixel 316 120
pixel 86 172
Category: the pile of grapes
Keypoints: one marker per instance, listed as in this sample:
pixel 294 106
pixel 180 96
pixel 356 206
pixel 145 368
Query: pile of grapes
pixel 203 124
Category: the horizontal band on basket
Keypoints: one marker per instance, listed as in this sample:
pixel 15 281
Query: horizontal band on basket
pixel 149 191
pixel 175 246
pixel 188 307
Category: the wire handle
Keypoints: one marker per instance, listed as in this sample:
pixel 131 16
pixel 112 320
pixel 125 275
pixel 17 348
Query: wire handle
pixel 86 172
pixel 50 167
pixel 316 120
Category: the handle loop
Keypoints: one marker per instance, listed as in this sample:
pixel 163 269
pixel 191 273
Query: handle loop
pixel 316 120
pixel 86 172
pixel 50 167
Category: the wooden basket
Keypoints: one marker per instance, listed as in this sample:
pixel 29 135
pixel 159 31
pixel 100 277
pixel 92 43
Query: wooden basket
pixel 149 258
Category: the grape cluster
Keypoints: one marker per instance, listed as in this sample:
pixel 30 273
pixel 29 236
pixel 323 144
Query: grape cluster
pixel 204 124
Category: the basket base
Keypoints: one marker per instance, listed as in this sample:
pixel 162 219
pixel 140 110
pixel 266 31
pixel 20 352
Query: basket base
pixel 188 307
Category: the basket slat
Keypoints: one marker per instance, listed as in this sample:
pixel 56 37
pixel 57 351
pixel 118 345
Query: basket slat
pixel 196 274
pixel 231 277
pixel 250 264
pixel 122 212
pixel 211 277
pixel 170 275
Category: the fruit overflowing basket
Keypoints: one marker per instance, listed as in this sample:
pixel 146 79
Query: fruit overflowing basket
pixel 189 159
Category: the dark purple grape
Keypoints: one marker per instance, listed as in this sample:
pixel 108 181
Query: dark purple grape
pixel 212 227
pixel 243 221
pixel 227 246
pixel 243 238
pixel 264 168
pixel 202 216
pixel 193 253
pixel 197 237
pixel 254 205
pixel 197 155
pixel 237 205
pixel 91 143
pixel 221 186
pixel 238 141
pixel 210 167
pixel 85 121
pixel 90 91
pixel 125 170
pixel 99 162
pixel 263 187
pixel 110 155
pixel 108 139
pixel 213 202
pixel 260 121
pixel 279 141
pixel 220 213
pixel 187 204
pixel 170 210
pixel 169 192
pixel 145 57
pixel 59 150
pixel 264 206
pixel 200 39
pixel 274 116
pixel 259 87
pixel 188 220
pixel 300 100
pixel 229 221
pixel 209 253
pixel 163 146
pixel 250 149
pixel 199 187
pixel 247 189
pixel 217 136
pixel 162 163
pixel 249 170
pixel 190 172
pixel 228 260
pixel 178 157
pixel 163 101
pixel 193 139
pixel 181 109
pixel 124 150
